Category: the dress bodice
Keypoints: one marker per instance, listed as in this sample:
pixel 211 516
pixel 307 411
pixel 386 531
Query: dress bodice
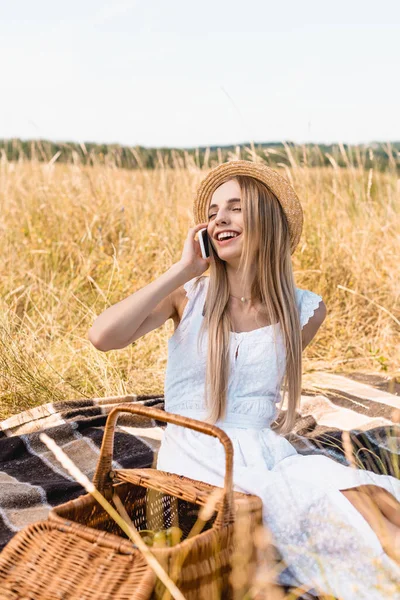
pixel 256 364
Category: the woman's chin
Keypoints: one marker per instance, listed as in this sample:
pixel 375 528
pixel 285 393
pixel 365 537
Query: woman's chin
pixel 230 258
pixel 228 254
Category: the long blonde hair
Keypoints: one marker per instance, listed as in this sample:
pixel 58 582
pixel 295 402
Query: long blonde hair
pixel 267 250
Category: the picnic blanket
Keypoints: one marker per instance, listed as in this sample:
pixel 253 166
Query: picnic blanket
pixel 32 481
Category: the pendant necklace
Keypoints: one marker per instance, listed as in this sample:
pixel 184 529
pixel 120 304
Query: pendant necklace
pixel 242 299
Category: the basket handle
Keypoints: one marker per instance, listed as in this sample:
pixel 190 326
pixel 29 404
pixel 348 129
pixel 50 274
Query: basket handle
pixel 102 479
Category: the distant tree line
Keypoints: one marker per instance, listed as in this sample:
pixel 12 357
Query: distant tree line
pixel 379 155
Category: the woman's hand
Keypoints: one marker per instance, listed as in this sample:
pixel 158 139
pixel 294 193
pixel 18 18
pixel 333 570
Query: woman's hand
pixel 191 259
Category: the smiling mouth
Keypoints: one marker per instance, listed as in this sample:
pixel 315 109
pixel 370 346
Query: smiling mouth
pixel 226 241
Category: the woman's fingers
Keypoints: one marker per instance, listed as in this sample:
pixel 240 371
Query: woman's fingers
pixel 191 254
pixel 196 228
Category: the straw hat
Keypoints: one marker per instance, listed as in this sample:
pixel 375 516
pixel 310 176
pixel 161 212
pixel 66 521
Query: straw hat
pixel 272 179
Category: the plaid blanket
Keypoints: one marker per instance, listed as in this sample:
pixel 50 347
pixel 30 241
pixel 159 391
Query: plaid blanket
pixel 32 481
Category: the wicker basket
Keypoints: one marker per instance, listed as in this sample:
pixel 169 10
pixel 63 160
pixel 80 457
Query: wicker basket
pixel 155 499
pixel 45 561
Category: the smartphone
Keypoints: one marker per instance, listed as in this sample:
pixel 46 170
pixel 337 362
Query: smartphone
pixel 204 243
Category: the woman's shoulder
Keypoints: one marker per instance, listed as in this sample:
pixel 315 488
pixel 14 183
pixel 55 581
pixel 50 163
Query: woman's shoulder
pixel 305 295
pixel 187 292
pixel 192 286
pixel 307 302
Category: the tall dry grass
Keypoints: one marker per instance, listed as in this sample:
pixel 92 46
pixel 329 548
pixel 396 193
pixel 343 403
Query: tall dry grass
pixel 77 239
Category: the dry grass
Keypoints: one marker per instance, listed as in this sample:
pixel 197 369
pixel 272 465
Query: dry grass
pixel 77 239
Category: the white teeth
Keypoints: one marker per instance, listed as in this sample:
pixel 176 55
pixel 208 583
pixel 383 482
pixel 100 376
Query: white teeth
pixel 221 236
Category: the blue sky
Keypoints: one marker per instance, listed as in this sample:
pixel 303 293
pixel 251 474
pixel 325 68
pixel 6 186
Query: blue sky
pixel 186 74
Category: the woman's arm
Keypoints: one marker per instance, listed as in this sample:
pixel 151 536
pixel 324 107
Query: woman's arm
pixel 116 327
pixel 148 308
pixel 310 329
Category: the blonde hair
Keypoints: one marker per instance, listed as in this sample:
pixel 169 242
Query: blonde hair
pixel 268 250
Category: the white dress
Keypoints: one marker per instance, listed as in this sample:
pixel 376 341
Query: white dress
pixel 325 542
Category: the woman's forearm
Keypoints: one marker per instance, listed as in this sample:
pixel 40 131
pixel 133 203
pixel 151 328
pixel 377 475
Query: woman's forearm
pixel 117 324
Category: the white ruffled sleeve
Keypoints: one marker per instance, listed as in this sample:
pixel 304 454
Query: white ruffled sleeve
pixel 191 287
pixel 188 287
pixel 308 303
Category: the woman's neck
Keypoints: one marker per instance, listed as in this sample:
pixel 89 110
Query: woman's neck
pixel 239 290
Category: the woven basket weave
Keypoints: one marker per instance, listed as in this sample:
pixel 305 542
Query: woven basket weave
pixel 45 562
pixel 155 500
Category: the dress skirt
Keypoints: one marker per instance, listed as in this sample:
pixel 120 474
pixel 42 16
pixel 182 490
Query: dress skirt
pixel 324 540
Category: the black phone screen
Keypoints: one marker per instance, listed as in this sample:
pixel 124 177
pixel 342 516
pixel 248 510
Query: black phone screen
pixel 206 243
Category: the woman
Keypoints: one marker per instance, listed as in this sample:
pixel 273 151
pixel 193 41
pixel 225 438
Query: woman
pixel 258 322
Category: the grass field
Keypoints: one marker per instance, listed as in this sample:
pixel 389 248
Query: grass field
pixel 77 239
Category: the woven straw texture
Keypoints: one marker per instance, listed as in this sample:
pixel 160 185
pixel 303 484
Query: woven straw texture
pixel 45 561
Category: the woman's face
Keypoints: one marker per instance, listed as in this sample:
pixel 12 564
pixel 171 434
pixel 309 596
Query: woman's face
pixel 225 214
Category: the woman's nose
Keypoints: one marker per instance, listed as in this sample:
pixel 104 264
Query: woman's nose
pixel 221 218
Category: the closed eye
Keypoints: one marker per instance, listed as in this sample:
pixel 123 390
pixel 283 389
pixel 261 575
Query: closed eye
pixel 213 215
